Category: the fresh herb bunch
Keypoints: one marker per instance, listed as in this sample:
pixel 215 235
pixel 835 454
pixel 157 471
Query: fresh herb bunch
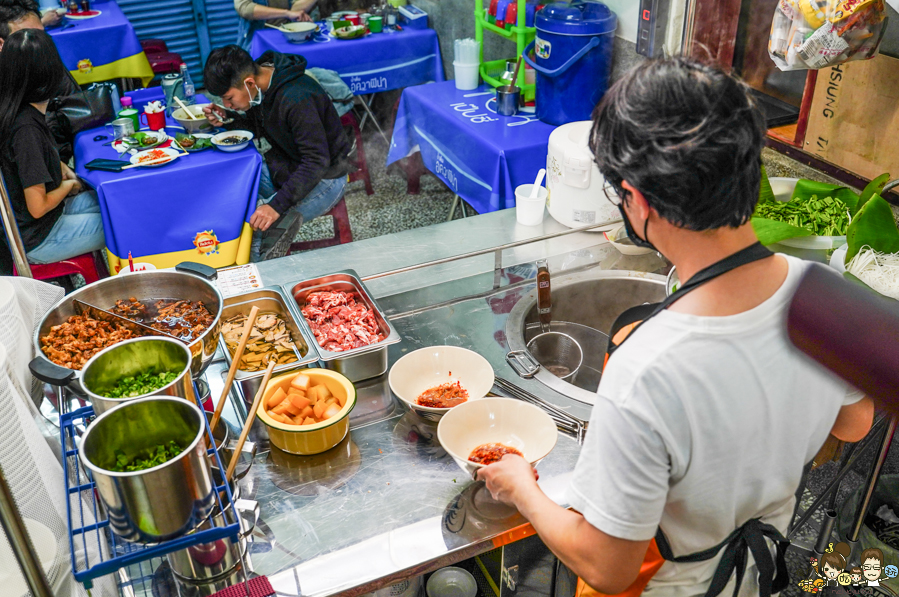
pixel 823 217
pixel 156 456
pixel 129 387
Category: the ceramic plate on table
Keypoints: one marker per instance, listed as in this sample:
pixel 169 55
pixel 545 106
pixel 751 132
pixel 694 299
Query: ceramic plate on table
pixel 80 16
pixel 157 137
pixel 351 32
pixel 198 136
pixel 154 154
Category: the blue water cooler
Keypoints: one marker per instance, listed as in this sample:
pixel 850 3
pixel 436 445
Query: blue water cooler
pixel 573 52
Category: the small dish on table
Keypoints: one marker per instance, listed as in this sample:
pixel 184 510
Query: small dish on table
pixel 230 141
pixel 144 157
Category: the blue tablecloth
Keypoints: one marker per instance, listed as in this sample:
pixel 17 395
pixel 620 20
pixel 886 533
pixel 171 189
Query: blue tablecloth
pixel 377 62
pixel 479 154
pixel 195 208
pixel 101 48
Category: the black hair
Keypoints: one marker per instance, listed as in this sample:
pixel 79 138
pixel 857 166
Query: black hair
pixel 227 67
pixel 13 10
pixel 30 72
pixel 686 135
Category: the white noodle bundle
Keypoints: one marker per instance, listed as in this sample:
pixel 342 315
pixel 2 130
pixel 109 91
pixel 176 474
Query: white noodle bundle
pixel 880 271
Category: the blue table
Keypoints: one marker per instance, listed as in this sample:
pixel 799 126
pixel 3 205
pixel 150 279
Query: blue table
pixel 101 48
pixel 195 208
pixel 375 63
pixel 479 154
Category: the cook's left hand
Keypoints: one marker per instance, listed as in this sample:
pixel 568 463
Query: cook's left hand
pixel 507 477
pixel 263 218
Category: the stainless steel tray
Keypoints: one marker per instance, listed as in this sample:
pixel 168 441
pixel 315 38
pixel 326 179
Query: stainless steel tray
pixel 271 300
pixel 360 363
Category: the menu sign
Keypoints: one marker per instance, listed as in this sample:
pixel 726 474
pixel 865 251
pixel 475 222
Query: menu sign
pixel 239 279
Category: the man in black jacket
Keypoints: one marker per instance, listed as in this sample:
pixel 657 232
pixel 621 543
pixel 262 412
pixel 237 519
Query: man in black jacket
pixel 304 174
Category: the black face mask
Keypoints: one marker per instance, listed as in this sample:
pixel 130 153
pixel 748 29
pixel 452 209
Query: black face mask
pixel 643 243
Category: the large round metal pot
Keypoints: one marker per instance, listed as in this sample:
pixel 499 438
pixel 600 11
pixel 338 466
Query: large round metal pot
pixel 131 358
pixel 158 503
pixel 145 285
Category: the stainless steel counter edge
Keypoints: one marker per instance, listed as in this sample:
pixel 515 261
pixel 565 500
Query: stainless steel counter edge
pixel 377 562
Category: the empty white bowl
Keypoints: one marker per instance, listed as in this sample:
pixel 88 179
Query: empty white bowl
pixel 428 367
pixel 452 582
pixel 216 140
pixel 506 421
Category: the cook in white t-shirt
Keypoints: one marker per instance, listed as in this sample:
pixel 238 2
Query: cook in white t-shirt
pixel 707 414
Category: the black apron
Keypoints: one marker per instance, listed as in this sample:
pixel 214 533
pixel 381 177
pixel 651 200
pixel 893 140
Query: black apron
pixel 751 536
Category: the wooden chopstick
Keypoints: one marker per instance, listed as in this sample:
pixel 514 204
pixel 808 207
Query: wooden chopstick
pixel 232 371
pixel 251 416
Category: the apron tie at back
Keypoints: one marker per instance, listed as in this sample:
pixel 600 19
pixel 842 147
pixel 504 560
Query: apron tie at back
pixel 748 538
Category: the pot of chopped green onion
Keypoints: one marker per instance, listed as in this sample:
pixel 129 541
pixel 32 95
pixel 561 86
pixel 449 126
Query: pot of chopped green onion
pixel 137 368
pixel 148 460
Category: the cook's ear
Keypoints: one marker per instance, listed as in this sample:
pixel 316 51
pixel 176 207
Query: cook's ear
pixel 636 200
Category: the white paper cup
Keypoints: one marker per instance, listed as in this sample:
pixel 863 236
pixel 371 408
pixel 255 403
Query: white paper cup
pixel 466 75
pixel 529 212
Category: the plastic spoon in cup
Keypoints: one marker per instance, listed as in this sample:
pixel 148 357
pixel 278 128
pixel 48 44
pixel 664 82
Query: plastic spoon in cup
pixel 235 361
pixel 186 111
pixel 251 416
pixel 536 189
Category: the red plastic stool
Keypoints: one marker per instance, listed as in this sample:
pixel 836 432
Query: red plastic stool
pixel 349 120
pixel 154 46
pixel 342 232
pixel 164 62
pixel 85 265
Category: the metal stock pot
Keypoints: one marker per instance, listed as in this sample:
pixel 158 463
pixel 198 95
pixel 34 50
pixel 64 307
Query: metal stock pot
pixel 145 285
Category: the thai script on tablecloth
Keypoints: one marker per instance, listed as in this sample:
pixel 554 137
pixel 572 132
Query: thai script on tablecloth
pixel 467 110
pixel 448 175
pixel 357 85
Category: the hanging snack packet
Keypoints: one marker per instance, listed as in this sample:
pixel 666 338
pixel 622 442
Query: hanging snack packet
pixel 814 34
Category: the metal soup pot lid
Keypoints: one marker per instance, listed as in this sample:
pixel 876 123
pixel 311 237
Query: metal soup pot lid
pixel 582 18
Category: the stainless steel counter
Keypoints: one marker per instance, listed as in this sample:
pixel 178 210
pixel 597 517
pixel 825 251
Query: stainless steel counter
pixel 388 503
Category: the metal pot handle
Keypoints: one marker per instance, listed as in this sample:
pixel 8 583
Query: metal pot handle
pixel 523 363
pixel 197 269
pixel 248 511
pixel 248 448
pixel 51 373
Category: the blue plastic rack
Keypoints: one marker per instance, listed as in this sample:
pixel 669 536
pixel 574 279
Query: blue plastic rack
pixel 96 538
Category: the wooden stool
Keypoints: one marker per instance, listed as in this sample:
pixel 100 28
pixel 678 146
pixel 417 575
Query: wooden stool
pixel 349 120
pixel 342 232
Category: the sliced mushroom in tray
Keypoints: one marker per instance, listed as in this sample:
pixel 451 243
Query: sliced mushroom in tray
pixel 270 339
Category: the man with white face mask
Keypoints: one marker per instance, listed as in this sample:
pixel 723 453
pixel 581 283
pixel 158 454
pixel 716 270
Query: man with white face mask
pixel 304 174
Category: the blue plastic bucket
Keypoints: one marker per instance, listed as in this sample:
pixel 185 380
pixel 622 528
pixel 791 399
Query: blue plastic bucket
pixel 574 58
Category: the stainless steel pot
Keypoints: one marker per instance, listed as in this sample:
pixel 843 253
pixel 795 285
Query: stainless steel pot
pixel 131 358
pixel 162 502
pixel 151 284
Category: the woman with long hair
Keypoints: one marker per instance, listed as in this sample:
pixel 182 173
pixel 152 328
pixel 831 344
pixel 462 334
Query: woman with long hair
pixel 56 216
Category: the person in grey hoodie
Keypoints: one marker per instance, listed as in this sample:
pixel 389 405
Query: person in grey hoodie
pixel 305 171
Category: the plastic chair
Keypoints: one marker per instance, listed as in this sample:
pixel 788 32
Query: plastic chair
pixel 164 62
pixel 342 232
pixel 154 46
pixel 86 265
pixel 349 120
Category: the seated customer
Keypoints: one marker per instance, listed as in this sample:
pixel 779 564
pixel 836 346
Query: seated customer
pixel 25 14
pixel 254 15
pixel 57 218
pixel 304 173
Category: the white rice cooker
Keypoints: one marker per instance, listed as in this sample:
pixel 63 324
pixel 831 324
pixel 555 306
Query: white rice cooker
pixel 574 183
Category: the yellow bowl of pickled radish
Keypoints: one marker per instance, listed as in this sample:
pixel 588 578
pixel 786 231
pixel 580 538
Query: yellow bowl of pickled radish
pixel 316 437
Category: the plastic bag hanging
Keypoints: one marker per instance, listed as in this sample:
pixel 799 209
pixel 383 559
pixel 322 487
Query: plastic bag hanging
pixel 815 34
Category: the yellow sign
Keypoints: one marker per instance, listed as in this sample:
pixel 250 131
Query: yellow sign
pixel 206 242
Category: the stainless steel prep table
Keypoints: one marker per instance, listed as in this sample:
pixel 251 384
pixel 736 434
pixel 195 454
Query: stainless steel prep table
pixel 389 503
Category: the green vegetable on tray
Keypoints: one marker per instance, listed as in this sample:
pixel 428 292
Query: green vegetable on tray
pixel 138 385
pixel 153 457
pixel 822 217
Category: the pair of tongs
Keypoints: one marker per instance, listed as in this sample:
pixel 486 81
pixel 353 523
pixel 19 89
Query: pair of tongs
pixel 565 422
pixel 104 315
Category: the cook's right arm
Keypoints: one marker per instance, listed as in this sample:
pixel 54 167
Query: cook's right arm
pixel 854 420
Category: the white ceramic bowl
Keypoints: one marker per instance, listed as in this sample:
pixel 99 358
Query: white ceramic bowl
pixel 190 125
pixel 435 365
pixel 506 421
pixel 452 582
pixel 297 33
pixel 246 135
pixel 629 248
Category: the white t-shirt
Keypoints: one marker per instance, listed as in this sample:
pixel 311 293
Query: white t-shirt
pixel 701 424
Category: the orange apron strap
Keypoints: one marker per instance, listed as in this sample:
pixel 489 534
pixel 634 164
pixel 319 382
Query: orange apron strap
pixel 620 337
pixel 652 561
